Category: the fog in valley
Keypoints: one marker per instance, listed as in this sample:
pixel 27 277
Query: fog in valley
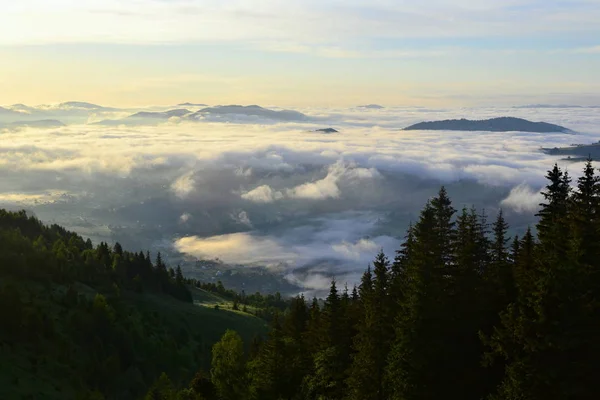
pixel 258 194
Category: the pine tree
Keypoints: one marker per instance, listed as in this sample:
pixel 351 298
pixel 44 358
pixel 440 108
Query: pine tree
pixel 444 227
pixel 397 272
pixel 328 378
pixel 179 276
pixel 348 328
pixel 553 226
pixel 314 330
pixel 271 373
pixel 586 217
pixel 412 371
pixel 466 312
pixel 372 342
pixel 545 336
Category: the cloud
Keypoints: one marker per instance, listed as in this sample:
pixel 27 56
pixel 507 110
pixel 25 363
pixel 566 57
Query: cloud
pixel 262 194
pixel 242 218
pixel 355 250
pixel 320 189
pixel 333 245
pixel 184 185
pixel 309 205
pixel 236 248
pixel 523 199
pixel 328 186
pixel 32 199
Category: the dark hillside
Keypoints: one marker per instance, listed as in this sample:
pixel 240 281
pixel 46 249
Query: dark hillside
pixel 96 322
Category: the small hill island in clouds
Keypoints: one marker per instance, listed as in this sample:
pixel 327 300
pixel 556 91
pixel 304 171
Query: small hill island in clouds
pixel 327 130
pixel 179 112
pixel 501 124
pixel 576 152
pixel 252 110
pixel 372 106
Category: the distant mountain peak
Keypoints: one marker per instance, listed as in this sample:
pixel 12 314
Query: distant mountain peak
pixel 179 112
pixel 372 106
pixel 327 130
pixel 499 124
pixel 252 110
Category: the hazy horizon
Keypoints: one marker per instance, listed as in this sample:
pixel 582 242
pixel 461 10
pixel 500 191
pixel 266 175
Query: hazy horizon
pixel 301 53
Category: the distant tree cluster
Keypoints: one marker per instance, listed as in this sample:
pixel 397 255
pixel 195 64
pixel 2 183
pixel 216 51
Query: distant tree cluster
pixel 36 251
pixel 462 312
pixel 265 305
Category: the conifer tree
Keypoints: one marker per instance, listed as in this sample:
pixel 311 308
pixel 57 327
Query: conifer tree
pixel 366 380
pixel 444 226
pixel 328 378
pixel 586 217
pixel 398 269
pixel 314 330
pixel 412 368
pixel 270 373
pixel 555 321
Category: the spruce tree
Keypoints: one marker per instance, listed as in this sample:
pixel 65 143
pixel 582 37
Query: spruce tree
pixel 271 372
pixel 414 367
pixel 586 217
pixel 545 336
pixel 328 378
pixel 372 342
pixel 397 271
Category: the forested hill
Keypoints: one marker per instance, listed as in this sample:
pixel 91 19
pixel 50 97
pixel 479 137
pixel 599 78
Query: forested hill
pixel 85 322
pixel 501 124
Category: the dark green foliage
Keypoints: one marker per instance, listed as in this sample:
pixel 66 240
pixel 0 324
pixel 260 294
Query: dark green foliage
pixel 464 312
pixel 85 322
pixel 374 335
pixel 228 369
pixel 549 335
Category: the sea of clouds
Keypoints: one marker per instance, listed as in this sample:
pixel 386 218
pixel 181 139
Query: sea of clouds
pixel 260 192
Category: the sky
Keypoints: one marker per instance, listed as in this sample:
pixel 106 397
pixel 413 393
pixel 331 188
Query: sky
pixel 299 53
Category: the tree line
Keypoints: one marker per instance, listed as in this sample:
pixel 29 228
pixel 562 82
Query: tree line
pixel 463 311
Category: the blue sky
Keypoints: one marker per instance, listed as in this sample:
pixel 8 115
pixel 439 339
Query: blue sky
pixel 300 53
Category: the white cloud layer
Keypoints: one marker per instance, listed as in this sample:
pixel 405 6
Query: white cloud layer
pixel 280 194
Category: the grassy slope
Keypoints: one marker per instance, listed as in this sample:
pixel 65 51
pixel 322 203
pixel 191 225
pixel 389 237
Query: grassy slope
pixel 203 318
pixel 32 373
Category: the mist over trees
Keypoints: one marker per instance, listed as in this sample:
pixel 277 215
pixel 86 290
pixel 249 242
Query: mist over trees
pixel 462 312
